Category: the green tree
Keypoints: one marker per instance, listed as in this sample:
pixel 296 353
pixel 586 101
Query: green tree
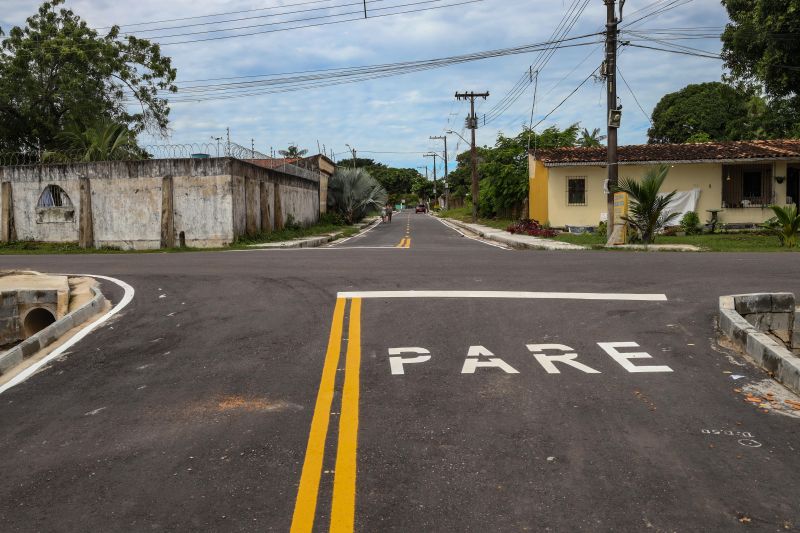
pixel 57 71
pixel 293 152
pixel 761 47
pixel 353 193
pixel 713 111
pixel 646 214
pixel 104 140
pixel 588 140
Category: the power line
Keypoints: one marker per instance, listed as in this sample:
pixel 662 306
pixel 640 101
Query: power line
pixel 562 102
pixel 619 71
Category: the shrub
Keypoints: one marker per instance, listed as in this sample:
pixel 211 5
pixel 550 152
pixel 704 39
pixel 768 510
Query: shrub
pixel 602 228
pixel 352 192
pixel 331 218
pixel 646 214
pixel 785 224
pixel 531 227
pixel 690 223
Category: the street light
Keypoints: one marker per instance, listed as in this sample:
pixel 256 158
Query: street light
pixel 354 154
pixel 451 132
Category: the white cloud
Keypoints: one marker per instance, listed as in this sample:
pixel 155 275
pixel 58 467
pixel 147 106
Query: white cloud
pixel 400 113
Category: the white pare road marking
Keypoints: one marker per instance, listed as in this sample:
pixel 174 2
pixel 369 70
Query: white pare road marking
pixel 523 295
pixel 496 245
pixel 126 299
pixel 474 362
pixel 480 357
pixel 396 362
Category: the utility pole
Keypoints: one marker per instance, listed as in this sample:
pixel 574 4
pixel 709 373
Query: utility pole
pixel 434 155
pixel 446 190
pixel 472 124
pixel 353 151
pixel 614 110
pixel 228 146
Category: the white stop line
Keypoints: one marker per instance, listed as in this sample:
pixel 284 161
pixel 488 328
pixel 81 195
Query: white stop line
pixel 508 295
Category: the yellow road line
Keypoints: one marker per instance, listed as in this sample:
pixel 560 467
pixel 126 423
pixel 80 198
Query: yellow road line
pixel 306 504
pixel 343 507
pixel 402 243
pixel 408 243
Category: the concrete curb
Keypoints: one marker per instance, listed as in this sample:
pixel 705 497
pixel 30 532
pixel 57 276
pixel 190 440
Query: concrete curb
pixel 771 355
pixel 514 241
pixel 311 242
pixel 51 333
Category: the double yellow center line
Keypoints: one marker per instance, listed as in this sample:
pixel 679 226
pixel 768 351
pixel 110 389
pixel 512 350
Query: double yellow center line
pixel 344 481
pixel 405 242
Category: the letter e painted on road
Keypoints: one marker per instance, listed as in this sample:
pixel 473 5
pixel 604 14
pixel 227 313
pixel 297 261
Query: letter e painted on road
pixel 547 361
pixel 623 358
pixel 396 363
pixel 472 362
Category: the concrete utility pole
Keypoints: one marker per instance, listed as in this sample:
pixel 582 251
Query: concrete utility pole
pixel 434 156
pixel 446 189
pixel 614 110
pixel 472 124
pixel 353 150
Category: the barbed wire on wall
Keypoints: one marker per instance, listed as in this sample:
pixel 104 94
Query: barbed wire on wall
pixel 292 166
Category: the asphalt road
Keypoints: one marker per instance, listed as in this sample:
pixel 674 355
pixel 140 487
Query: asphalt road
pixel 237 393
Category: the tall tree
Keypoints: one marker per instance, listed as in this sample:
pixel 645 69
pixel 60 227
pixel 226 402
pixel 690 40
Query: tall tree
pixel 708 111
pixel 56 71
pixel 761 47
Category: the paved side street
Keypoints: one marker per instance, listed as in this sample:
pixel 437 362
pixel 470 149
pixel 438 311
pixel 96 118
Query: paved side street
pixel 407 379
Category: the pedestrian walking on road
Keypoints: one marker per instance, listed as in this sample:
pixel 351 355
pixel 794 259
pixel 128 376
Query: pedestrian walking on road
pixel 389 210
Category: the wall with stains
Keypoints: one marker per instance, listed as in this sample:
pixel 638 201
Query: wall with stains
pixel 214 201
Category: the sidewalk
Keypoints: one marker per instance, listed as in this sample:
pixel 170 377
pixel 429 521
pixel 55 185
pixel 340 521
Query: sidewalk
pixel 313 241
pixel 514 240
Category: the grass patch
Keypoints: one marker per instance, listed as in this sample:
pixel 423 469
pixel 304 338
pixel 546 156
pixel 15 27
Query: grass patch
pixel 287 234
pixel 717 242
pixel 464 214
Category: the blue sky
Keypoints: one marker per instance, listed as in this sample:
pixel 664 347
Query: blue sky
pixel 398 114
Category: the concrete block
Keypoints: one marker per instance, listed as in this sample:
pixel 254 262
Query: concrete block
pixel 753 303
pixel 726 302
pixel 62 326
pixel 790 373
pixel 796 329
pixel 782 302
pixel 10 359
pixel 781 321
pixel 37 297
pixel 755 348
pixel 773 359
pixel 29 346
pixel 760 321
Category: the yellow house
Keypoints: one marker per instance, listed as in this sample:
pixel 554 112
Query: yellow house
pixel 740 179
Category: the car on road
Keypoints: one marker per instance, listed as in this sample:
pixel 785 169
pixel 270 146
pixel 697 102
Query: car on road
pixel 421 208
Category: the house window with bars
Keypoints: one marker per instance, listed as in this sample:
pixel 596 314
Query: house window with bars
pixel 747 186
pixel 576 190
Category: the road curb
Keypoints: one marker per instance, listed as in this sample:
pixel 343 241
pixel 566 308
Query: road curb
pixel 770 354
pixel 312 242
pixel 11 358
pixel 499 236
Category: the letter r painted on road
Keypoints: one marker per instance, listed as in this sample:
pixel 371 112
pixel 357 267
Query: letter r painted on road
pixel 396 363
pixel 547 361
pixel 623 358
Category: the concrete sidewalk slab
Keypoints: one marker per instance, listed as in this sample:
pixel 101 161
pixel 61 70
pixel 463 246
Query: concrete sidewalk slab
pixel 514 240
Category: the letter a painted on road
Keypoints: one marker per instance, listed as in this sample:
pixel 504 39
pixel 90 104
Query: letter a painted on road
pixel 472 362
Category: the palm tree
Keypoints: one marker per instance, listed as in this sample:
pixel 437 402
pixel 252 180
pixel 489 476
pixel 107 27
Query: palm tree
pixel 102 140
pixel 293 152
pixel 589 140
pixel 352 192
pixel 785 224
pixel 646 214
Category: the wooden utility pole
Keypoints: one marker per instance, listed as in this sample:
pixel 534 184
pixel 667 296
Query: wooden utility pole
pixel 434 155
pixel 472 124
pixel 610 72
pixel 446 190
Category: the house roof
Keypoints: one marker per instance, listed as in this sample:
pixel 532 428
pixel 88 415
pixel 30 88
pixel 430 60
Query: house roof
pixel 720 152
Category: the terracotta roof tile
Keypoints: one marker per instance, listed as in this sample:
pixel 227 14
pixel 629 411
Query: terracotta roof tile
pixel 656 153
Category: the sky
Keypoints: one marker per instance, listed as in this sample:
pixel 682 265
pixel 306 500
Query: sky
pixel 391 119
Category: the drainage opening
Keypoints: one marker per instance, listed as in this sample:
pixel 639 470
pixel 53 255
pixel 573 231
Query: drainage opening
pixel 36 320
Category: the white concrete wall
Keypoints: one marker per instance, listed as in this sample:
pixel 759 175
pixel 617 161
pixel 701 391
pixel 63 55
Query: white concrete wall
pixel 682 177
pixel 302 204
pixel 25 196
pixel 127 212
pixel 203 210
